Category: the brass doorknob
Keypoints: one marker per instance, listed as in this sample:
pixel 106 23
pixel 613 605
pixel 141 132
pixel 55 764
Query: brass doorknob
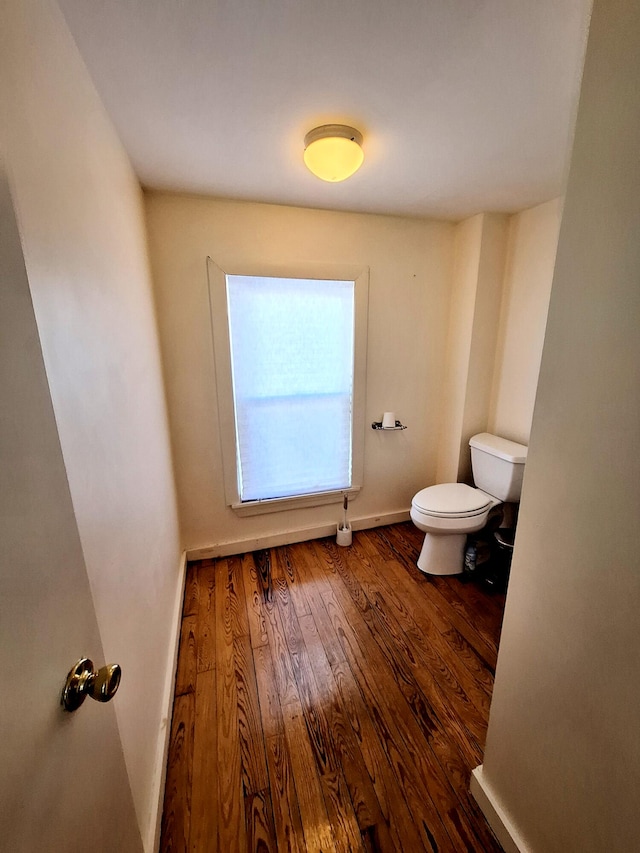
pixel 83 680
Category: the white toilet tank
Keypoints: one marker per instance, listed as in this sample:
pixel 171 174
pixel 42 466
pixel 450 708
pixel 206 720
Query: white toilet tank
pixel 498 465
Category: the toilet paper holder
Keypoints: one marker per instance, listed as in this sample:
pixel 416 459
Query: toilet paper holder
pixel 378 425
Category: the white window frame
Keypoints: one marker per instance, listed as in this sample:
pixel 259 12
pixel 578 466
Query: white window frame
pixel 217 277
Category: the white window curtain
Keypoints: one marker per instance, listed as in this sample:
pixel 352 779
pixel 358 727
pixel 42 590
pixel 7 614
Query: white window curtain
pixel 292 354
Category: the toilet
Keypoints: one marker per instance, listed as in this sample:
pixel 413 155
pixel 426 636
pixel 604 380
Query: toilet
pixel 448 512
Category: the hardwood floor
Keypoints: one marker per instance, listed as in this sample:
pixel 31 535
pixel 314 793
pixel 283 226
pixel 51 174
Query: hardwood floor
pixel 330 699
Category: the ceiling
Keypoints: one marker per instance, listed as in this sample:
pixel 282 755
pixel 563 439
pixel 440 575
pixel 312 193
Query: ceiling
pixel 465 105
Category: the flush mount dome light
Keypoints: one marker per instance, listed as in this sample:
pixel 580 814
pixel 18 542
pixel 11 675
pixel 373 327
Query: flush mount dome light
pixel 333 152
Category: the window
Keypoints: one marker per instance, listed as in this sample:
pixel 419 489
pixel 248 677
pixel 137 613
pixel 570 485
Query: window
pixel 292 374
pixel 289 354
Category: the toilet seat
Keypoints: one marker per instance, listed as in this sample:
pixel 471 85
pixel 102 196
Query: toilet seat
pixel 447 513
pixel 452 500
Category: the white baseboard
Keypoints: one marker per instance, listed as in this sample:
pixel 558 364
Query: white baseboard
pixel 497 818
pixel 288 537
pixel 152 842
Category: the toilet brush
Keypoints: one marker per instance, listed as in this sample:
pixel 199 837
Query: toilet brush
pixel 344 533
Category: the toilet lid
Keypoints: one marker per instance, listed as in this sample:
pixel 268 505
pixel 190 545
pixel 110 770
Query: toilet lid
pixel 453 500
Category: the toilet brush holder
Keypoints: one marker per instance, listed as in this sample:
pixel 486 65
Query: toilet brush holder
pixel 344 535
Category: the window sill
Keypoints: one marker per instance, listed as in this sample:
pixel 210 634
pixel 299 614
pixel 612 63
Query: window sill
pixel 296 502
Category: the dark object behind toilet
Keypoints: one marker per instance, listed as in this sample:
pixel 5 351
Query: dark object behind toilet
pixel 488 552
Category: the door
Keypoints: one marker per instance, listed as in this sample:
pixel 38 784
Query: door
pixel 63 781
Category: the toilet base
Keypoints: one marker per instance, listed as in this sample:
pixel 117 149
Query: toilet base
pixel 442 554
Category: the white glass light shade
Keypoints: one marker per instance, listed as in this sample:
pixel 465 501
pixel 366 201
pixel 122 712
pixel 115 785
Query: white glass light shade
pixel 333 152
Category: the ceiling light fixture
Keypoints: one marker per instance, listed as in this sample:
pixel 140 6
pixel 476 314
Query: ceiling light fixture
pixel 333 152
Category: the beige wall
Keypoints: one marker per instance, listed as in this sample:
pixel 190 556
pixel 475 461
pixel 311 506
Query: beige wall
pixel 474 312
pixel 533 240
pixel 409 263
pixel 563 749
pixel 484 330
pixel 503 267
pixel 456 291
pixel 79 210
pixel 464 282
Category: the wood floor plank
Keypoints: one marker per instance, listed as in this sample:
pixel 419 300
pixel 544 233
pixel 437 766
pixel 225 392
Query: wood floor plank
pixel 190 604
pixel 468 670
pixel 261 836
pixel 389 795
pixel 287 688
pixel 284 799
pixel 475 603
pixel 444 761
pixel 458 699
pixel 421 722
pixel 487 650
pixel 254 596
pixel 451 709
pixel 268 693
pixel 294 582
pixel 403 745
pixel 432 623
pixel 456 730
pixel 335 790
pixel 252 751
pixel 390 584
pixel 363 764
pixel 176 817
pixel 205 633
pixel 330 699
pixel 316 827
pixel 237 601
pixel 388 787
pixel 187 657
pixel 315 584
pixel 262 560
pixel 203 836
pixel 231 822
pixel 471 606
pixel 453 762
pixel 286 811
pixel 366 719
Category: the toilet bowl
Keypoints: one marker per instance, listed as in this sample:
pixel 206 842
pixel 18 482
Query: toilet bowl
pixel 446 513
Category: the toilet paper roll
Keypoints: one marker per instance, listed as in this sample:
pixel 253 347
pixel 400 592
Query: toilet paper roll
pixel 388 420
